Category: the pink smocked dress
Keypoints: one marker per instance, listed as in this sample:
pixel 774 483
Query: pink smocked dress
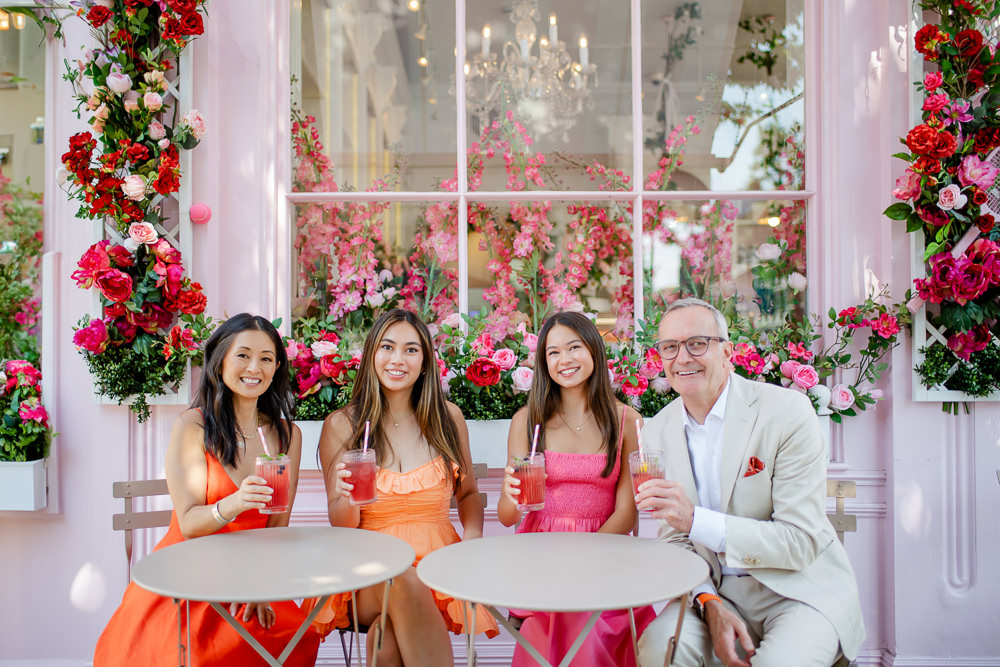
pixel 578 499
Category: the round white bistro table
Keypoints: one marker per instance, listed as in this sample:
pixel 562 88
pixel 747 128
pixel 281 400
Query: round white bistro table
pixel 271 564
pixel 563 572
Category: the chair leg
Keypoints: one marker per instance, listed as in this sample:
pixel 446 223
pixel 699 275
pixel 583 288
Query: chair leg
pixel 347 646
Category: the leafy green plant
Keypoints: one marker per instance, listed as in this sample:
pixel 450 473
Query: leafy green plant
pixel 20 252
pixel 25 433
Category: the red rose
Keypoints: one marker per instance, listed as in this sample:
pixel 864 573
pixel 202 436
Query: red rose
pixel 921 139
pixel 976 77
pixel 191 24
pixel 987 138
pixel 969 43
pixel 98 15
pixel 127 330
pixel 171 28
pixel 192 302
pixel 926 165
pixel 332 366
pixel 970 281
pixel 120 256
pixel 115 285
pixel 166 182
pixel 483 372
pixel 93 337
pixel 978 197
pixel 985 223
pixel 137 153
pixel 945 145
pixel 93 262
pixel 182 6
pixel 928 39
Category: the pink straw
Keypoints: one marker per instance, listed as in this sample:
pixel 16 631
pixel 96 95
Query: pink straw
pixel 364 447
pixel 260 432
pixel 534 442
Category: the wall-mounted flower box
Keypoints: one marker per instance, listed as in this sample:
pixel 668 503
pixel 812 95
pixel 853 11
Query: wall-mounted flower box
pixel 22 485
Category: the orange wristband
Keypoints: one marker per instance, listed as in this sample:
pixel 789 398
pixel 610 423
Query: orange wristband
pixel 703 599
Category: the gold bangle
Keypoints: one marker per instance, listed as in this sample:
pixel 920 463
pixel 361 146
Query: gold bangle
pixel 217 515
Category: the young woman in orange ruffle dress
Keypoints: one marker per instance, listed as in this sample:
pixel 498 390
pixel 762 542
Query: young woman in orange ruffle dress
pixel 421 445
pixel 210 473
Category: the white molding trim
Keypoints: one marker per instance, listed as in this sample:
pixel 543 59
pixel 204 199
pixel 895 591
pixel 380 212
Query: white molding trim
pixel 943 662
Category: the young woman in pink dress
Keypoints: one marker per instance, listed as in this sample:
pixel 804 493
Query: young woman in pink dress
pixel 586 435
pixel 421 447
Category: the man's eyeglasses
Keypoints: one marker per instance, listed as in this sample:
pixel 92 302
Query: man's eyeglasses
pixel 696 346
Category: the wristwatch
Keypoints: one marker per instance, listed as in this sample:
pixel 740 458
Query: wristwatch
pixel 701 600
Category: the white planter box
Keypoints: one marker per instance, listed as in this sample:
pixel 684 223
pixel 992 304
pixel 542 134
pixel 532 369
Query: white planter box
pixel 487 442
pixel 22 485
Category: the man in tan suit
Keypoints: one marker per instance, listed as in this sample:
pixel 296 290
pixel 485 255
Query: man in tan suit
pixel 745 488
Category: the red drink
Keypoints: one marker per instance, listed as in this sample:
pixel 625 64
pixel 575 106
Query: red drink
pixel 361 464
pixel 275 471
pixel 530 471
pixel 644 466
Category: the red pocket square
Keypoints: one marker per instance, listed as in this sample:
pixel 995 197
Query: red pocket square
pixel 756 466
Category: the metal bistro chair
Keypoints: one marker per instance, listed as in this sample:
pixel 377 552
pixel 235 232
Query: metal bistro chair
pixel 479 471
pixel 130 520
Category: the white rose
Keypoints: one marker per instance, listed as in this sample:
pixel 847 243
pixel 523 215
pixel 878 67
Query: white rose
pixel 841 397
pixel 134 187
pixel 375 300
pixel 321 348
pixel 131 244
pixel 119 82
pixel 797 281
pixel 768 251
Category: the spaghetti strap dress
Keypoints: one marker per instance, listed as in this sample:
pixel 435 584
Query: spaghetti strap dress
pixel 143 630
pixel 412 506
pixel 578 499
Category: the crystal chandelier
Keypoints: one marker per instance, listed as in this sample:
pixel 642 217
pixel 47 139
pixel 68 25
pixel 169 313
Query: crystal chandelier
pixel 545 87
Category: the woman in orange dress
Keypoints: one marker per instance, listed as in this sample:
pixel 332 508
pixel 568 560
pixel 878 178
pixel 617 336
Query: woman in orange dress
pixel 210 465
pixel 422 450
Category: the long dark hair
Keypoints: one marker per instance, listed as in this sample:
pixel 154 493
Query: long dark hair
pixel 545 397
pixel 215 400
pixel 427 399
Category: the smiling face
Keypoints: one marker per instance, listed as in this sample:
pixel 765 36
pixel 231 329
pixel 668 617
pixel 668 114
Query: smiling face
pixel 699 380
pixel 249 364
pixel 399 357
pixel 567 358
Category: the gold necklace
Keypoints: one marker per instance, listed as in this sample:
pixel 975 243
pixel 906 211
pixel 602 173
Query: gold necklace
pixel 242 443
pixel 397 422
pixel 586 416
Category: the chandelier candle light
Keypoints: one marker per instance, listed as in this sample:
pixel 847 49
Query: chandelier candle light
pixel 547 88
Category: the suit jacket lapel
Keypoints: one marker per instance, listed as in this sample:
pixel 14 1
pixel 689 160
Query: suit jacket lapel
pixel 678 464
pixel 740 417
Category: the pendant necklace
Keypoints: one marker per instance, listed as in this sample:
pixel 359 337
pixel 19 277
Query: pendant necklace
pixel 574 428
pixel 242 442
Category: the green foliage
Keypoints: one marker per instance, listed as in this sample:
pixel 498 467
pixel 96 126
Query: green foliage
pixel 20 253
pixel 978 377
pixel 497 402
pixel 24 423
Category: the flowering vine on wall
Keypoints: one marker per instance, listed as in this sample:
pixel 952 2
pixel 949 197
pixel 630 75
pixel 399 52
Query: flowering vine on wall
pixel 946 192
pixel 123 171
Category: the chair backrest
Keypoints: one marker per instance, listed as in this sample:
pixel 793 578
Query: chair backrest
pixel 842 522
pixel 129 520
pixel 479 471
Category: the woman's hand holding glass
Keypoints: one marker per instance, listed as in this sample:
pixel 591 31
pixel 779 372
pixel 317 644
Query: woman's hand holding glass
pixel 254 493
pixel 342 487
pixel 511 485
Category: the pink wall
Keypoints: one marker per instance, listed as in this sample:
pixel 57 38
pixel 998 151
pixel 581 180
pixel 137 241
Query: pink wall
pixel 927 487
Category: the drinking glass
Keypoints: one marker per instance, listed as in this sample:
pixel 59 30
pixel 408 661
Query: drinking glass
pixel 530 471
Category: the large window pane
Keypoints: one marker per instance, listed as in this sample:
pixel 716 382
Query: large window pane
pixel 747 257
pixel 376 78
pixel 550 77
pixel 723 93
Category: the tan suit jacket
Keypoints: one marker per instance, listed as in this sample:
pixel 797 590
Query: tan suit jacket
pixel 776 525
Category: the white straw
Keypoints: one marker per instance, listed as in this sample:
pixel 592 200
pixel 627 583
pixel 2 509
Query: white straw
pixel 260 432
pixel 534 442
pixel 638 432
pixel 364 447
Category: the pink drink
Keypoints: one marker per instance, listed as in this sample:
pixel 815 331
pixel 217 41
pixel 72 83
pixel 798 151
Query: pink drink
pixel 530 471
pixel 644 466
pixel 275 471
pixel 361 464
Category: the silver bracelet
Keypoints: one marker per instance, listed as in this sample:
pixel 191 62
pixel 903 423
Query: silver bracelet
pixel 217 515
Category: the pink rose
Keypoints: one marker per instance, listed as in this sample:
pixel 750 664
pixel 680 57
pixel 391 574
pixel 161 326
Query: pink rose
pixel 950 197
pixel 196 123
pixel 156 130
pixel 131 101
pixel 102 112
pixel 876 394
pixel 118 82
pixel 841 397
pixel 292 350
pixel 933 81
pixel 163 143
pixel 134 187
pixel 143 232
pixel 34 413
pixel 152 101
pixel 531 340
pixel 155 79
pixel 886 326
pixel 805 376
pixel 454 321
pixel 907 186
pixel 768 251
pixel 769 362
pixel 660 385
pixel 797 281
pixel 321 348
pixel 935 102
pixel 635 389
pixel 505 358
pixel 92 338
pixel 974 171
pixel 789 367
pixel 522 377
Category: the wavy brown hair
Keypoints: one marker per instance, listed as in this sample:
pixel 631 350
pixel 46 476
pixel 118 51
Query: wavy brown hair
pixel 427 399
pixel 545 397
pixel 215 400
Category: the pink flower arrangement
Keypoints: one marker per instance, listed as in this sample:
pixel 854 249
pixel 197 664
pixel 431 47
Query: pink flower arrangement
pixel 25 433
